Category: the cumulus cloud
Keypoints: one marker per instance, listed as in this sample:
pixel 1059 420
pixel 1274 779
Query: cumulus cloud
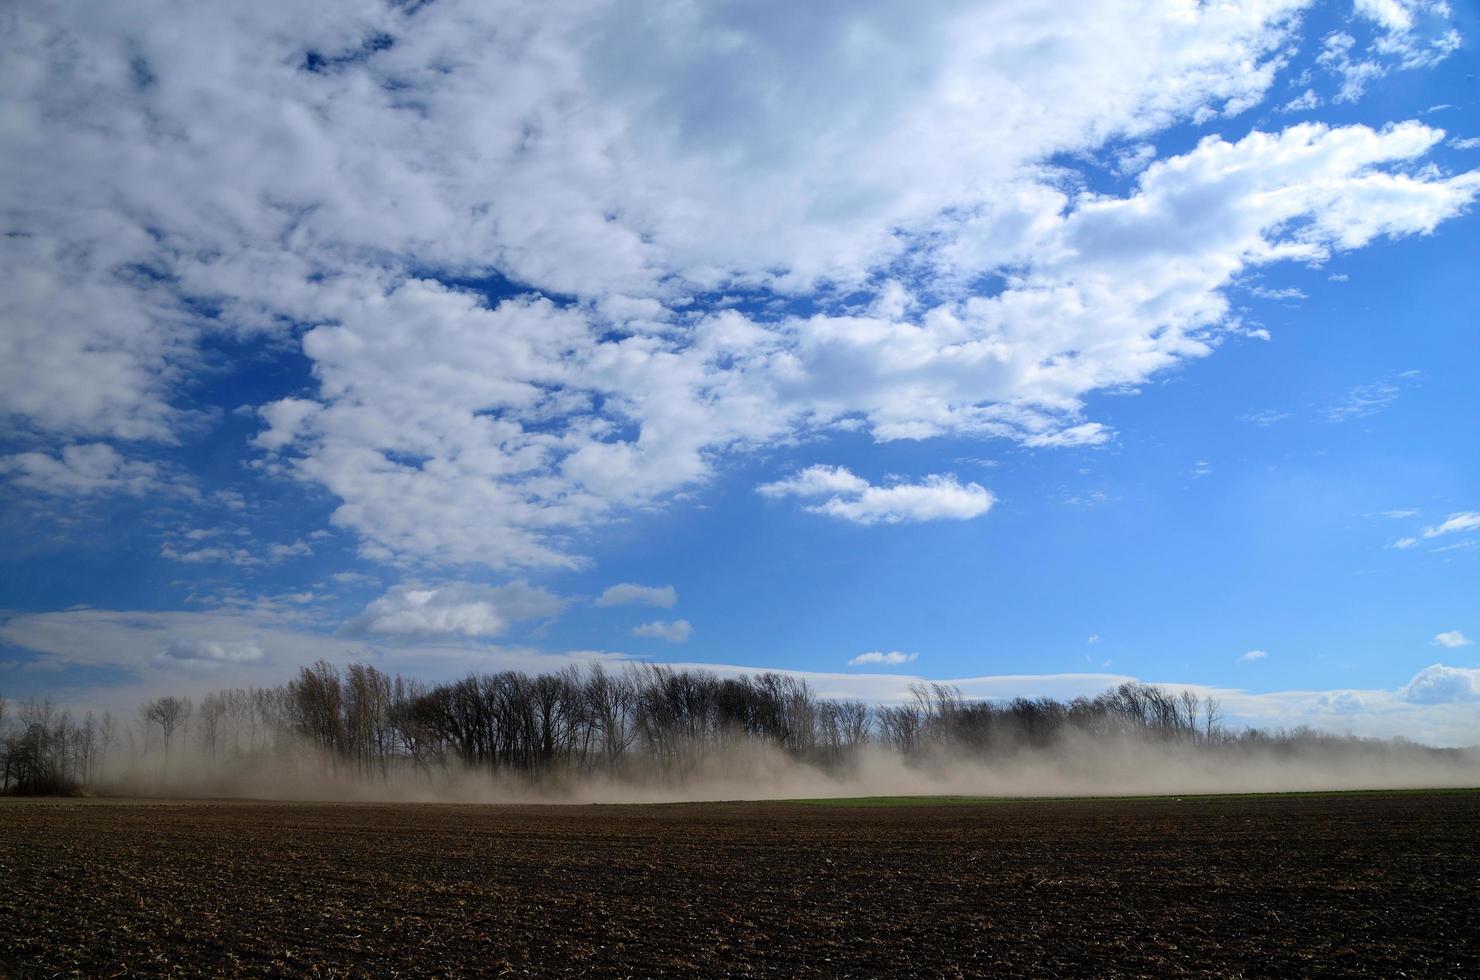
pixel 1438 684
pixel 856 500
pixel 676 631
pixel 628 593
pixel 816 481
pixel 1253 655
pixel 220 176
pixel 1452 639
pixel 453 609
pixel 892 658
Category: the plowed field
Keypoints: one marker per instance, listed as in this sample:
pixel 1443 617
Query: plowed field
pixel 1383 884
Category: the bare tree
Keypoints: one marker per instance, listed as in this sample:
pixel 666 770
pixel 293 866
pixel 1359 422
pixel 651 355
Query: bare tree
pixel 212 710
pixel 1212 716
pixel 169 713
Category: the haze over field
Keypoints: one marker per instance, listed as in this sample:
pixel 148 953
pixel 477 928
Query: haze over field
pixel 657 734
pixel 1032 349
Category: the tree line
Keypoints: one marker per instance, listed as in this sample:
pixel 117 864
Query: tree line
pixel 649 718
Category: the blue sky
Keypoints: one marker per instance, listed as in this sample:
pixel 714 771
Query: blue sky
pixel 871 346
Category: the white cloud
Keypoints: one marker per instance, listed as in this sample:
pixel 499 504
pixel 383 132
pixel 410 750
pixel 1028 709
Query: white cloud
pixel 1278 294
pixel 1303 102
pixel 677 631
pixel 856 500
pixel 1461 523
pixel 193 552
pixel 1418 33
pixel 453 609
pixel 1439 684
pixel 199 181
pixel 892 658
pixel 1254 655
pixel 1468 143
pixel 816 481
pixel 1452 639
pixel 627 593
pixel 82 469
pixel 1093 638
pixel 1134 159
pixel 213 651
pixel 1410 34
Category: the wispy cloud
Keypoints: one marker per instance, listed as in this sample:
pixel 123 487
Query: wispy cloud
pixel 1264 417
pixel 1253 655
pixel 1453 639
pixel 1362 401
pixel 629 593
pixel 1464 522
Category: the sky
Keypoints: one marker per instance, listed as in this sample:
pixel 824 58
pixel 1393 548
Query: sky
pixel 1027 348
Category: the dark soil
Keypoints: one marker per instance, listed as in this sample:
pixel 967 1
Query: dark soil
pixel 1376 884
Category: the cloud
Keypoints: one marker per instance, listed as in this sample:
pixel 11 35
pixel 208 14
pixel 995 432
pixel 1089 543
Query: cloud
pixel 202 184
pixel 1439 684
pixel 453 609
pixel 1303 102
pixel 214 652
pixel 677 631
pixel 1362 401
pixel 627 593
pixel 856 500
pixel 1460 523
pixel 226 554
pixel 1253 655
pixel 1134 159
pixel 816 481
pixel 1264 417
pixel 83 469
pixel 1463 522
pixel 893 658
pixel 1343 702
pixel 1410 34
pixel 1416 32
pixel 1452 639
